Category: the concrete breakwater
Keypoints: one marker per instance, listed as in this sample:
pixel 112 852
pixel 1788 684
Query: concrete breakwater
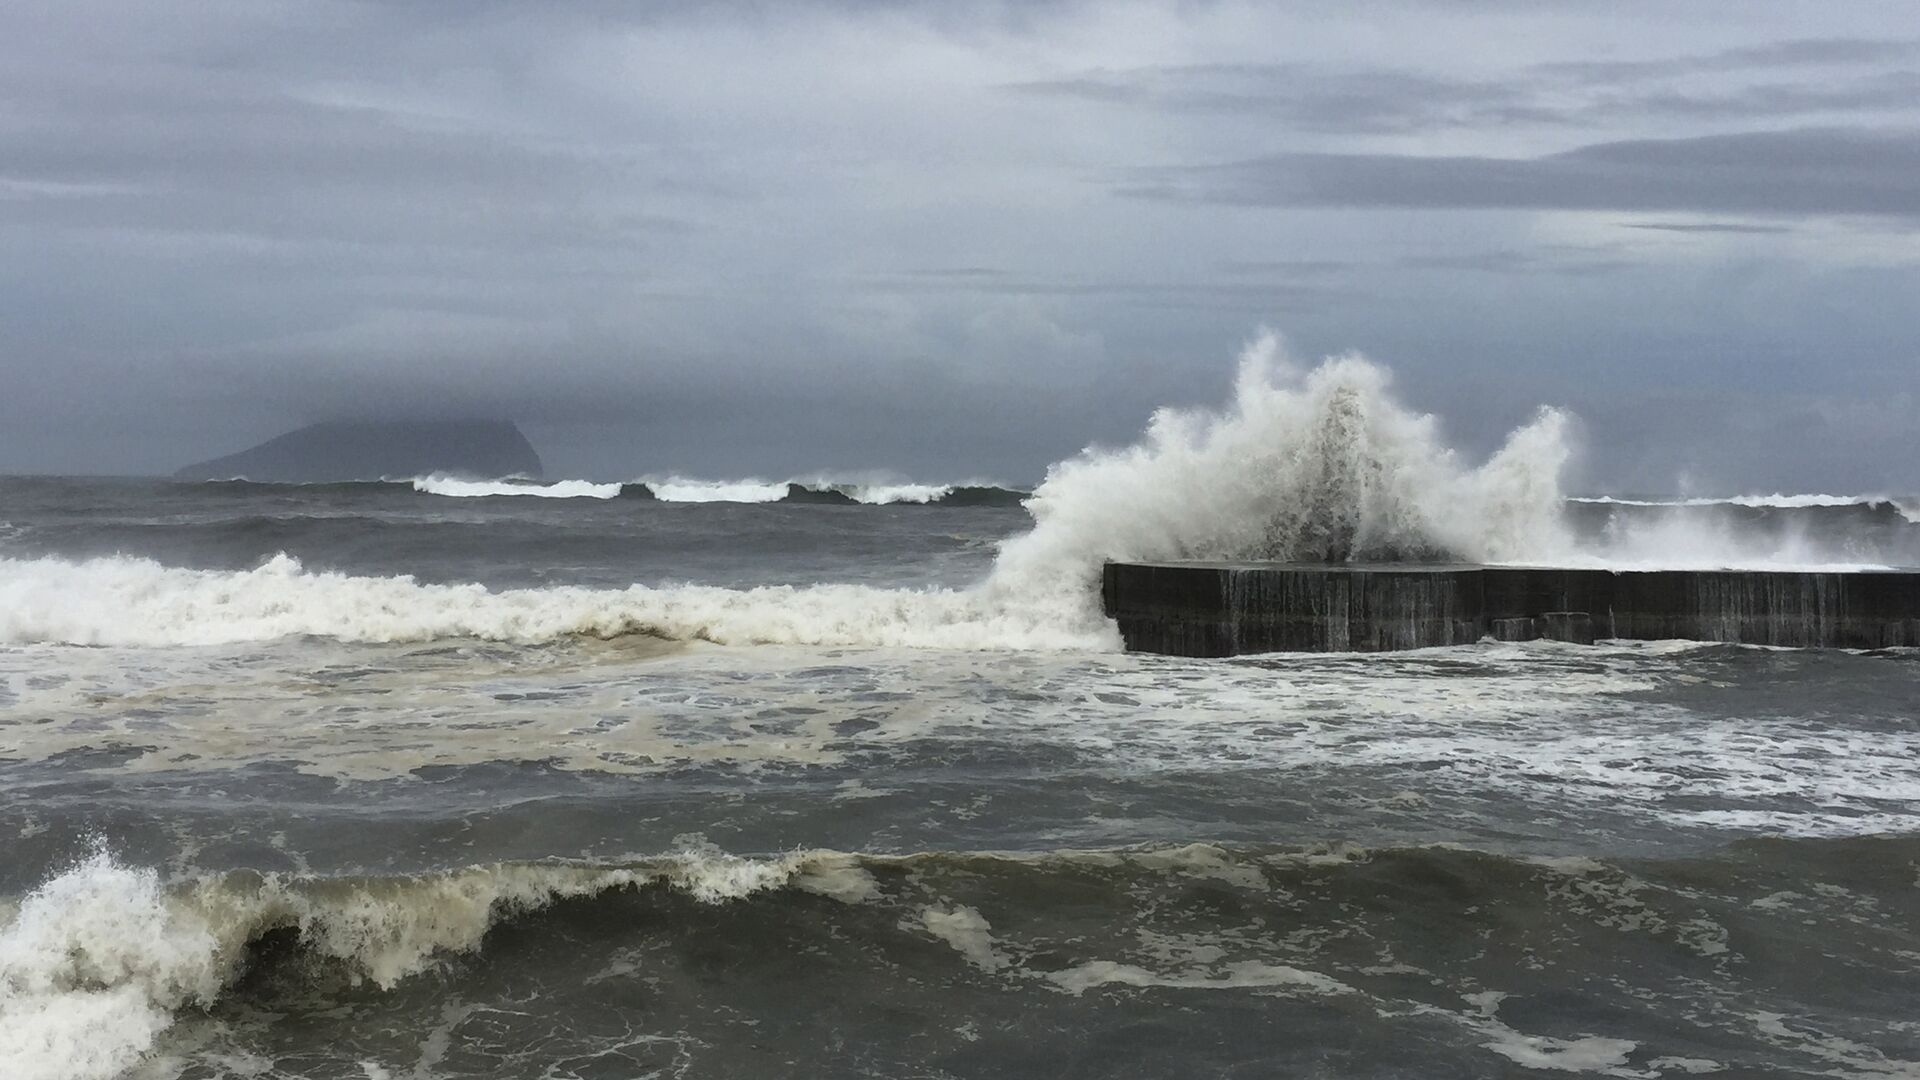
pixel 1226 609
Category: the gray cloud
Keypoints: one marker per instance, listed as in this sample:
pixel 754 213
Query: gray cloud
pixel 1747 227
pixel 1308 97
pixel 1253 297
pixel 1572 263
pixel 1805 52
pixel 1290 268
pixel 1319 98
pixel 1809 171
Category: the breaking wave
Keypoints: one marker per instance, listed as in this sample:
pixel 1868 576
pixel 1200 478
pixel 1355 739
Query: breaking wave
pixel 100 960
pixel 137 602
pixel 469 489
pixel 95 962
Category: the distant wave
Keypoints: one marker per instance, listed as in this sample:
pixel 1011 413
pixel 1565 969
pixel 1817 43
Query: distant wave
pixel 680 489
pixel 674 489
pixel 470 489
pixel 1908 507
pixel 821 490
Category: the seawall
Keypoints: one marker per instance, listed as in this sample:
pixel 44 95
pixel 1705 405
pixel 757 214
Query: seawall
pixel 1226 609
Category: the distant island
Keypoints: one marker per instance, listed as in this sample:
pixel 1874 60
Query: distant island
pixel 374 449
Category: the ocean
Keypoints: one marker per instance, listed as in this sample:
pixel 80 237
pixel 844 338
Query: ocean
pixel 679 778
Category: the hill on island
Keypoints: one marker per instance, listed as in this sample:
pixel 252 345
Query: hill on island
pixel 341 450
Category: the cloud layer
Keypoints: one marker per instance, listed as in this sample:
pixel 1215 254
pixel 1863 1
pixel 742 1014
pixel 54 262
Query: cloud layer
pixel 955 239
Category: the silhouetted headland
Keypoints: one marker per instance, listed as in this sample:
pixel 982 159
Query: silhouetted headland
pixel 374 449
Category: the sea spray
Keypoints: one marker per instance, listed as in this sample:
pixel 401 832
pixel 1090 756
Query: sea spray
pixel 1316 466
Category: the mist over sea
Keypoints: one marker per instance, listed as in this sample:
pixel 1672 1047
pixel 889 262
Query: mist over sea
pixel 807 776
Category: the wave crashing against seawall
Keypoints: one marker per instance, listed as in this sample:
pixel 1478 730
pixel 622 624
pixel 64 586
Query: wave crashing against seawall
pixel 1301 465
pixel 1321 464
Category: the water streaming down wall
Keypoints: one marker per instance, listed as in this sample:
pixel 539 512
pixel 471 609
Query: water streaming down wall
pixel 1226 609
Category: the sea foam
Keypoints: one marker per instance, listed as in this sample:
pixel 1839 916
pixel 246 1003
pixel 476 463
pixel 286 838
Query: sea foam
pixel 562 489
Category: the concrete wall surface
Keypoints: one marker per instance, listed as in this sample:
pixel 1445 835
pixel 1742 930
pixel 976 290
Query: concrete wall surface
pixel 1226 609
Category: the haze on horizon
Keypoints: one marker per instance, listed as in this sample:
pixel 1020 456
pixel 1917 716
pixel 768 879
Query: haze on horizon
pixel 959 240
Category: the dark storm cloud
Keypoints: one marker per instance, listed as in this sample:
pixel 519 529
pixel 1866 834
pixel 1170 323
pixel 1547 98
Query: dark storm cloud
pixel 1810 171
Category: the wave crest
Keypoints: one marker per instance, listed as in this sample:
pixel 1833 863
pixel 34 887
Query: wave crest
pixel 123 601
pixel 95 962
pixel 559 489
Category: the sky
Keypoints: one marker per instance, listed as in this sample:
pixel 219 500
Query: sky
pixel 953 240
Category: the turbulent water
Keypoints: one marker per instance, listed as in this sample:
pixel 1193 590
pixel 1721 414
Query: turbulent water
pixel 452 778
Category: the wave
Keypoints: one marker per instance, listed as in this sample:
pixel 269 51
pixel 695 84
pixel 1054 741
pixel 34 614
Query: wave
pixel 469 489
pixel 969 493
pixel 123 601
pixel 1907 507
pixel 96 963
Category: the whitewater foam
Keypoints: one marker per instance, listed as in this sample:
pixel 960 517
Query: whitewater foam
pixel 888 494
pixel 1237 976
pixel 138 602
pixel 680 489
pixel 753 490
pixel 468 489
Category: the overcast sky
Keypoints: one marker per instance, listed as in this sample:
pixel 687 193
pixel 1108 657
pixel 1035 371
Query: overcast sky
pixel 954 239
